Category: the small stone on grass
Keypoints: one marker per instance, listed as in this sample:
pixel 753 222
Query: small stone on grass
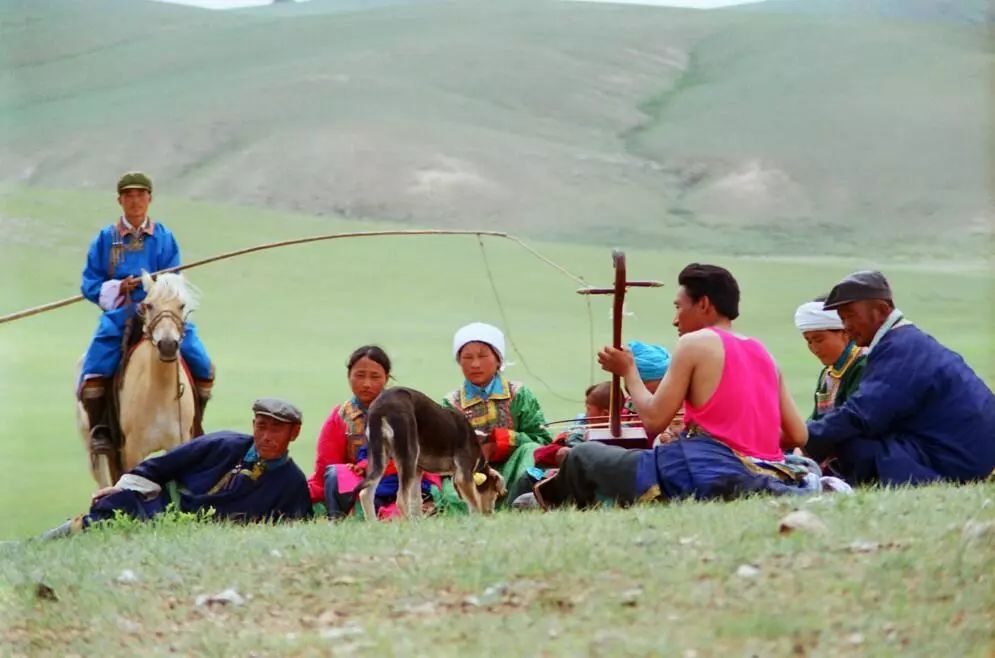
pixel 126 625
pixel 747 571
pixel 630 597
pixel 44 592
pixel 974 530
pixel 802 520
pixel 342 632
pixel 228 597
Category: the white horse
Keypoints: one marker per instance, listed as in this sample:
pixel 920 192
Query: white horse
pixel 156 397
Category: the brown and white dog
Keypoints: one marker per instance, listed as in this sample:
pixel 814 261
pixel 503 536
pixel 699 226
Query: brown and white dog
pixel 420 435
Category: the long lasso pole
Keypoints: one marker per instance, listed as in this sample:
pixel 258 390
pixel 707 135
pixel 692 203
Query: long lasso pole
pixel 10 317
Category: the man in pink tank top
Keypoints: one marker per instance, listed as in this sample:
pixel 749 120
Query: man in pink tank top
pixel 737 409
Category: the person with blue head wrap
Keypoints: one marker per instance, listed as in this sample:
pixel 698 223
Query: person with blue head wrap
pixel 652 361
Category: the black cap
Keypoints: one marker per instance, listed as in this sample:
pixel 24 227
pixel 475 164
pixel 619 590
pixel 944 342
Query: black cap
pixel 866 284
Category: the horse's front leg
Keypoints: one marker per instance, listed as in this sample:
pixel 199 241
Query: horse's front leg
pixel 133 451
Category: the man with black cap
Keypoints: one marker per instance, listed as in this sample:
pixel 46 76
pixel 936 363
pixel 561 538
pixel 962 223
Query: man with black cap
pixel 240 477
pixel 920 414
pixel 111 280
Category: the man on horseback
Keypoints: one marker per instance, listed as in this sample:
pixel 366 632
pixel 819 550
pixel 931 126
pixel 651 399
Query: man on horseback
pixel 112 280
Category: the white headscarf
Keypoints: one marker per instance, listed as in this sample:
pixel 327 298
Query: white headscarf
pixel 811 317
pixel 479 332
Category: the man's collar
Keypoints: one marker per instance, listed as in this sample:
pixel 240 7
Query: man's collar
pixel 124 228
pixel 252 456
pixel 894 319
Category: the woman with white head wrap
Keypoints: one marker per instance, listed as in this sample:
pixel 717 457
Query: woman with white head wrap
pixel 843 360
pixel 506 410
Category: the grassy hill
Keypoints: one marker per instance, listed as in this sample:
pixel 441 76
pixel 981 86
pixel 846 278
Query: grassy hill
pixel 973 12
pixel 742 131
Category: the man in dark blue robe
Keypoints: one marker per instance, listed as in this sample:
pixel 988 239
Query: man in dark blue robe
pixel 920 413
pixel 236 476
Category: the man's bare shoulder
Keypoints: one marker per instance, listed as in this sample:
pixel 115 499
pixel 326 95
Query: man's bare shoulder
pixel 703 338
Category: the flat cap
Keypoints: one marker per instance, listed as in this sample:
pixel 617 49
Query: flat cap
pixel 134 180
pixel 866 284
pixel 276 408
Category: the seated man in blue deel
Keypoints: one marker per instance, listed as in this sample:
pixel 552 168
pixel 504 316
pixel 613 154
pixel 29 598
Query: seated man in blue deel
pixel 920 414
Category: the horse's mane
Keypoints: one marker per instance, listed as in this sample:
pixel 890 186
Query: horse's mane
pixel 172 286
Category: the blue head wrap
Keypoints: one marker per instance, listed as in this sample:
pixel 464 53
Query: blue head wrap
pixel 652 361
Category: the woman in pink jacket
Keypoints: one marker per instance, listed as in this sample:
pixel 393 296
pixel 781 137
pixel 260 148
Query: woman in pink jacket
pixel 340 462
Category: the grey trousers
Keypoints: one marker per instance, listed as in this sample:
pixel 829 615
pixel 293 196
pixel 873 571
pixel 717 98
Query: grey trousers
pixel 591 472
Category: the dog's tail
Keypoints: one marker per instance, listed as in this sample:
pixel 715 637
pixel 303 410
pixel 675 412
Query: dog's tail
pixel 378 432
pixel 385 430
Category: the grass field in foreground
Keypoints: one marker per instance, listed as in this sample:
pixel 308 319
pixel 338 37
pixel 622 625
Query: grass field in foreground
pixel 895 574
pixel 283 322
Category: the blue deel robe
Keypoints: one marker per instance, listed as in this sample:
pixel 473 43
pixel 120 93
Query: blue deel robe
pixel 703 468
pixel 159 251
pixel 281 491
pixel 920 414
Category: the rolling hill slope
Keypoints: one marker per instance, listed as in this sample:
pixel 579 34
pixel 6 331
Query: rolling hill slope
pixel 974 12
pixel 744 131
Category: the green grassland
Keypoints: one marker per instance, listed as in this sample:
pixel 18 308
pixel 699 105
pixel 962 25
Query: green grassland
pixel 283 322
pixel 744 130
pixel 897 573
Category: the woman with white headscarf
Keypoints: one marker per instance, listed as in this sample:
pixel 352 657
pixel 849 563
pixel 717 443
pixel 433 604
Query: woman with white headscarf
pixel 843 360
pixel 506 410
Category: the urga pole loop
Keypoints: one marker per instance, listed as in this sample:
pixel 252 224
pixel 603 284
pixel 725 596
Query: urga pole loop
pixel 10 317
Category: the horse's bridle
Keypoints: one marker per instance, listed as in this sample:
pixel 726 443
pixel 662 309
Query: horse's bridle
pixel 159 317
pixel 148 331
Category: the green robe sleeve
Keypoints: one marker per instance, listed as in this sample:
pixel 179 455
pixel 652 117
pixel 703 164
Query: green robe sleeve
pixel 529 419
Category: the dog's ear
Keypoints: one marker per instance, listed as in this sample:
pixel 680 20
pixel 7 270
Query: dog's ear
pixel 497 480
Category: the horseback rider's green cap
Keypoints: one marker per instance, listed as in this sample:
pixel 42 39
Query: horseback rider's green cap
pixel 134 180
pixel 276 408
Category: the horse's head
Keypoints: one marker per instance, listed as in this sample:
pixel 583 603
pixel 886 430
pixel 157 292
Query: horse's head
pixel 168 302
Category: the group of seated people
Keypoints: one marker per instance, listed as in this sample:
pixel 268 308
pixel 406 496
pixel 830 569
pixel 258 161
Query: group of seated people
pixel 892 406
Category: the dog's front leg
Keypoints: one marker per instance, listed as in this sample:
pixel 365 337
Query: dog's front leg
pixel 467 488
